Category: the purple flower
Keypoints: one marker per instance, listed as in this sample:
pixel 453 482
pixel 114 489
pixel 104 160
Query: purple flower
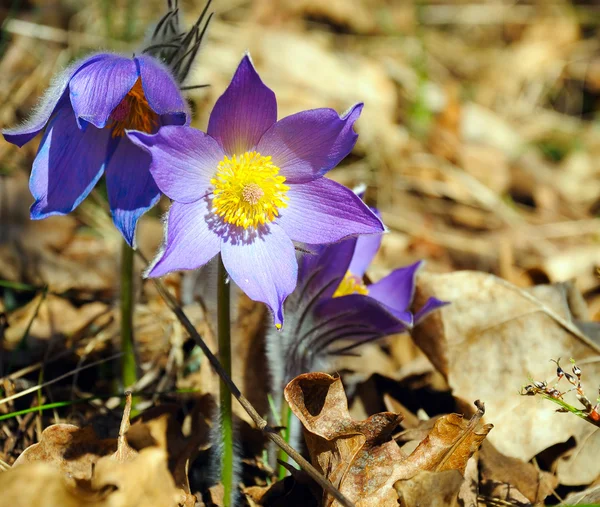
pixel 252 186
pixel 334 311
pixel 86 112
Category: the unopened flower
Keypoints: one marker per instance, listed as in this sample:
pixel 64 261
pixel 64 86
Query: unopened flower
pixel 252 185
pixel 334 311
pixel 85 114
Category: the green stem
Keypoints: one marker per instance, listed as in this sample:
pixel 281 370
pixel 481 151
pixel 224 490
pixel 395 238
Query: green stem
pixel 224 331
pixel 128 366
pixel 285 422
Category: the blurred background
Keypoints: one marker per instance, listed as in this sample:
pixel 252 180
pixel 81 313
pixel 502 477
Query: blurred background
pixel 479 139
pixel 479 142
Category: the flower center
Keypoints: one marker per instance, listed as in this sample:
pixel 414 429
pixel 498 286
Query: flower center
pixel 248 191
pixel 351 284
pixel 134 113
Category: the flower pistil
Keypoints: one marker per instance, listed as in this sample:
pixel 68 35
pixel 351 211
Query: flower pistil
pixel 133 113
pixel 248 191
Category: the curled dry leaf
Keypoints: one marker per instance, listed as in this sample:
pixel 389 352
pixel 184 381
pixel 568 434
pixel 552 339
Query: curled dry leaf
pixel 360 457
pixel 501 335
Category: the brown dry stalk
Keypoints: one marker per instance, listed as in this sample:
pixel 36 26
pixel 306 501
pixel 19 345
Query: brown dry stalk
pixel 261 424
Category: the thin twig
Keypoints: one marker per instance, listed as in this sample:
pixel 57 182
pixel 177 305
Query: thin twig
pixel 261 424
pixel 57 379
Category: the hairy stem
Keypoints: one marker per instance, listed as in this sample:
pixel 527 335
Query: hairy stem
pixel 128 366
pixel 271 433
pixel 224 332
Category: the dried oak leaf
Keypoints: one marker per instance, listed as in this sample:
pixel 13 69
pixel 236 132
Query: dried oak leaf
pixel 360 457
pixel 500 335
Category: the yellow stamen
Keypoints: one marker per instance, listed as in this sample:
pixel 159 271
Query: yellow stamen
pixel 133 113
pixel 351 284
pixel 248 191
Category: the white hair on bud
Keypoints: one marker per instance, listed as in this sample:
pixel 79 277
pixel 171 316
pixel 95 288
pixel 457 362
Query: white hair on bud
pixel 56 90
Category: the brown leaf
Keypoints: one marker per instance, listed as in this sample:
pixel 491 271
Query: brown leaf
pixel 434 489
pixel 43 485
pixel 71 466
pixel 72 450
pixel 143 480
pixel 535 484
pixel 360 457
pixel 450 443
pixel 490 340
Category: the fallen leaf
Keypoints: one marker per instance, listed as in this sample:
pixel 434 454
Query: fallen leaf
pixel 360 457
pixel 434 489
pixel 533 483
pixel 585 497
pixel 490 340
pixel 143 480
pixel 43 485
pixel 71 466
pixel 71 449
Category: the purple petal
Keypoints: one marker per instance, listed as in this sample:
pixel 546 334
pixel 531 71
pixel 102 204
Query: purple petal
pixel 320 274
pixel 183 160
pixel 244 112
pixel 364 253
pixel 431 305
pixel 308 144
pixel 323 211
pixel 68 164
pixel 131 188
pixel 161 90
pixel 354 317
pixel 54 96
pixel 191 241
pixel 100 86
pixel 265 267
pixel 397 290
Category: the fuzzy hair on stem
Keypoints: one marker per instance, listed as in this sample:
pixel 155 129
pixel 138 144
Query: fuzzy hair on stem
pixel 270 432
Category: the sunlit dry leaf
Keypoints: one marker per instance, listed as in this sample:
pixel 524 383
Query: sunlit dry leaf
pixel 490 340
pixel 72 450
pixel 360 457
pixel 71 466
pixel 55 316
pixel 143 480
pixel 435 489
pixel 449 444
pixel 43 485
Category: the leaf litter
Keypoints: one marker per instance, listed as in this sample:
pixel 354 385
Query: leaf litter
pixel 478 145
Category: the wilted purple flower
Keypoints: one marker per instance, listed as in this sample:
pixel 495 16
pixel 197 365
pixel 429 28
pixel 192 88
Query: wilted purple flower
pixel 252 186
pixel 86 112
pixel 334 311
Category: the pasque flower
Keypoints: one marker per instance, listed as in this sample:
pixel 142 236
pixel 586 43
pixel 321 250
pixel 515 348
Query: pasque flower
pixel 335 311
pixel 252 186
pixel 85 114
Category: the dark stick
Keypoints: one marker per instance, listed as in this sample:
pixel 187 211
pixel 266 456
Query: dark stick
pixel 261 424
